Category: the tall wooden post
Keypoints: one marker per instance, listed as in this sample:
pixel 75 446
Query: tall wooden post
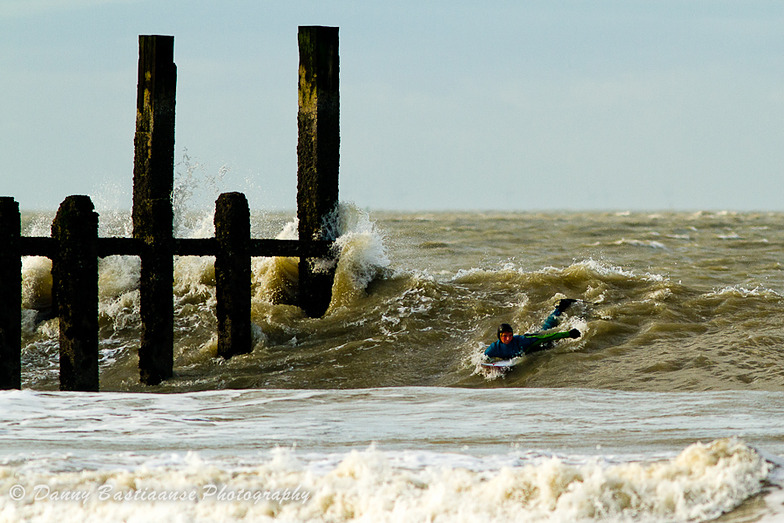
pixel 10 295
pixel 232 274
pixel 318 153
pixel 75 290
pixel 153 182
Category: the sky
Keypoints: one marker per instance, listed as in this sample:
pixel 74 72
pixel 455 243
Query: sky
pixel 445 105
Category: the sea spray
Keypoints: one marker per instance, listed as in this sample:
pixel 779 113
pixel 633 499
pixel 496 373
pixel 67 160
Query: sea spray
pixel 361 255
pixel 274 279
pixel 362 259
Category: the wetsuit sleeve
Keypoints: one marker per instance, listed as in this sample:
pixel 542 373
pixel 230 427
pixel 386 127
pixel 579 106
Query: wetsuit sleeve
pixel 538 342
pixel 492 350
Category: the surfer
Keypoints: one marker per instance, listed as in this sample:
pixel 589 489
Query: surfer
pixel 510 346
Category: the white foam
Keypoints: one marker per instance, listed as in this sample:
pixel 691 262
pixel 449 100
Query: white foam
pixel 702 482
pixel 744 292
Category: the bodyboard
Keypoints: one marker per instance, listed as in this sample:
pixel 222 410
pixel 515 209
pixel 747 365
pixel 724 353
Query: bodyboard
pixel 502 365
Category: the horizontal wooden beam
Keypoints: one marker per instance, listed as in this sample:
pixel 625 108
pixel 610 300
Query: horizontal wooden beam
pixel 37 246
pixel 257 247
pixel 45 246
pixel 195 246
pixel 119 246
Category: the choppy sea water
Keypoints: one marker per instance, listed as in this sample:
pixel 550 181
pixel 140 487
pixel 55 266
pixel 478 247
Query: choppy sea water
pixel 668 407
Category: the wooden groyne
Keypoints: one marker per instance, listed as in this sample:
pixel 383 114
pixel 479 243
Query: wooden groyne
pixel 74 245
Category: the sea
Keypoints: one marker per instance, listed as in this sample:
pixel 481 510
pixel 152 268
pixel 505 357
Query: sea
pixel 669 407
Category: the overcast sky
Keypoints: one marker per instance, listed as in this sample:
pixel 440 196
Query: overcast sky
pixel 607 105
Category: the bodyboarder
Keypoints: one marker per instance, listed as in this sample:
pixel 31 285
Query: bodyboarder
pixel 510 345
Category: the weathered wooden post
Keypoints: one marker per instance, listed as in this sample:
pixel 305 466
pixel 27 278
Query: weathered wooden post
pixel 153 182
pixel 318 152
pixel 10 295
pixel 75 292
pixel 232 274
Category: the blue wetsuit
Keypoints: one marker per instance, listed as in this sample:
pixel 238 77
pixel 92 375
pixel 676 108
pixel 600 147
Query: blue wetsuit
pixel 525 344
pixel 528 343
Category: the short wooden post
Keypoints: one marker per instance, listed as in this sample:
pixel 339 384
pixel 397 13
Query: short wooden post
pixel 318 153
pixel 10 295
pixel 232 274
pixel 75 290
pixel 153 182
